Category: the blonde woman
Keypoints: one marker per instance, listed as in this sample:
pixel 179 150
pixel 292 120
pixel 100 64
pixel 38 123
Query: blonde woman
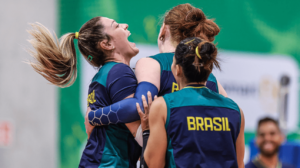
pixel 103 43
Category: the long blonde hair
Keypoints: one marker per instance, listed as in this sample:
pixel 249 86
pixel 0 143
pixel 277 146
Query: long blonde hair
pixel 56 59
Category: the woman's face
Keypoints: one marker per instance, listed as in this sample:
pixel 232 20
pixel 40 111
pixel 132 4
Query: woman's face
pixel 119 37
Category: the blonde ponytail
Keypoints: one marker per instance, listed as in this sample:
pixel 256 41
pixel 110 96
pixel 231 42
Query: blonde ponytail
pixel 55 60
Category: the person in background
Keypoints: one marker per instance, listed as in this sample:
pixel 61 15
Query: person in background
pixel 268 140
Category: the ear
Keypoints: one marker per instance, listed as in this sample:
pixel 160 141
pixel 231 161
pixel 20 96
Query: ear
pixel 167 33
pixel 105 45
pixel 179 71
pixel 162 31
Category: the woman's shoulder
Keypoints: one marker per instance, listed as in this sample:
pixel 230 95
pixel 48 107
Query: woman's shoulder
pixel 165 60
pixel 120 67
pixel 161 56
pixel 219 100
pixel 111 70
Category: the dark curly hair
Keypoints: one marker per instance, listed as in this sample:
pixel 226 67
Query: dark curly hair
pixel 196 66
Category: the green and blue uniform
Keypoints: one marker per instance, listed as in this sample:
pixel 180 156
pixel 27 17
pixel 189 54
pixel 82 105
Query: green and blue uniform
pixel 167 81
pixel 127 111
pixel 111 145
pixel 202 128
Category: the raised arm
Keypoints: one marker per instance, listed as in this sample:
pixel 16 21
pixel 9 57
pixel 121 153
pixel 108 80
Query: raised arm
pixel 148 76
pixel 148 70
pixel 240 143
pixel 154 148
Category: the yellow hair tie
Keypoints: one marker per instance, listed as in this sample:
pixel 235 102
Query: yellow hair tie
pixel 197 52
pixel 76 35
pixel 189 41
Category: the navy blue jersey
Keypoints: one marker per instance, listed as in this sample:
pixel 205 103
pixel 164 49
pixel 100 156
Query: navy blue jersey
pixel 112 145
pixel 167 81
pixel 126 108
pixel 257 164
pixel 202 128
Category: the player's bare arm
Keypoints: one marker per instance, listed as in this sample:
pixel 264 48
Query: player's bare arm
pixel 240 143
pixel 157 143
pixel 148 70
pixel 222 90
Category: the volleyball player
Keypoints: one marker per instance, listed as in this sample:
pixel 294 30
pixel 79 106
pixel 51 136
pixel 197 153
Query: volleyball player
pixel 154 73
pixel 103 43
pixel 193 127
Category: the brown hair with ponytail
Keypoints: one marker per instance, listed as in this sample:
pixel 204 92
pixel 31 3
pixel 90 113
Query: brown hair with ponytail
pixel 187 21
pixel 196 65
pixel 56 59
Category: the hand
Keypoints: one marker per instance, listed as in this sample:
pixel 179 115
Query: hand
pixel 88 127
pixel 144 116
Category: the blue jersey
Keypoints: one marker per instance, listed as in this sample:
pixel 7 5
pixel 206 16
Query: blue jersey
pixel 256 163
pixel 167 81
pixel 202 128
pixel 112 145
pixel 127 111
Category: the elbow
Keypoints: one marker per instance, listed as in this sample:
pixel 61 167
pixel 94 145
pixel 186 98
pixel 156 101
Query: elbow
pixel 242 165
pixel 155 163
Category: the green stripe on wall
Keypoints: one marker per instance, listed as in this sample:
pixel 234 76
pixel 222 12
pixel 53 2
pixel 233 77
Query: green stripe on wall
pixel 72 131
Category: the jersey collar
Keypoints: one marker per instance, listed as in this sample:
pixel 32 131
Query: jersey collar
pixel 195 86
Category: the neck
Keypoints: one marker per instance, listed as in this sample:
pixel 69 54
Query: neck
pixel 122 59
pixel 168 46
pixel 269 161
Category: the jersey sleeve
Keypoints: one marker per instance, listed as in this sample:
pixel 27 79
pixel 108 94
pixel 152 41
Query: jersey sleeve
pixel 124 111
pixel 97 96
pixel 212 83
pixel 121 82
